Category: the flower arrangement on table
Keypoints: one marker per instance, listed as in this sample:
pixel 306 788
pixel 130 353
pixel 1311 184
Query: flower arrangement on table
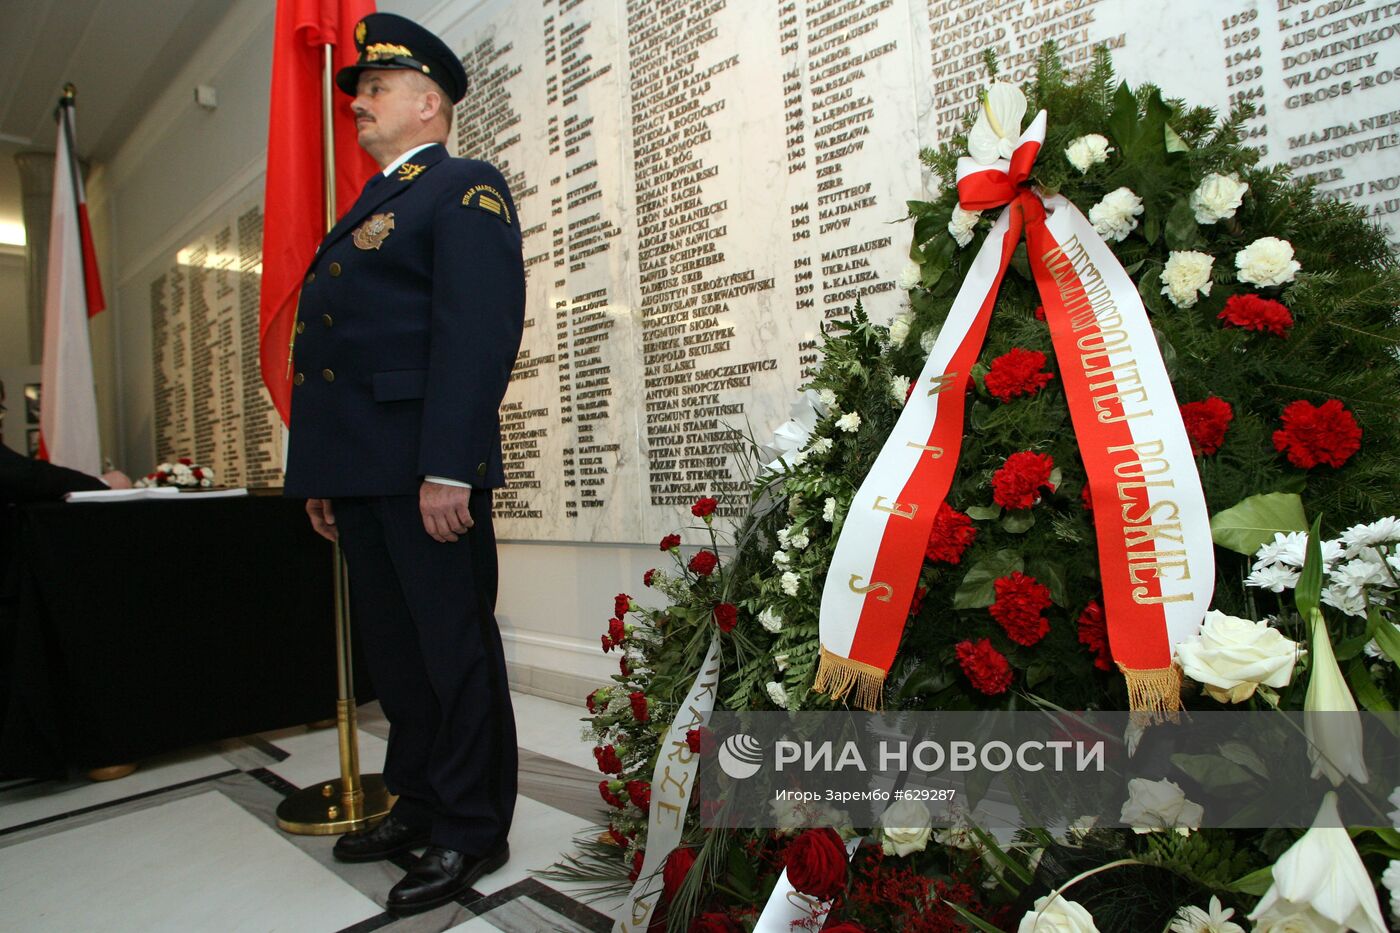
pixel 1274 314
pixel 184 473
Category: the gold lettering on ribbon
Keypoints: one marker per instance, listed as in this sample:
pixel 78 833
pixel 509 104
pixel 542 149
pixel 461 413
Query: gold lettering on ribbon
pixel 863 590
pixel 804 902
pixel 934 452
pixel 895 508
pixel 941 383
pixel 674 811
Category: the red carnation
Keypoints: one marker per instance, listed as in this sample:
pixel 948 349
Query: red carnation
pixel 951 534
pixel 607 644
pixel 648 577
pixel 726 616
pixel 1254 313
pixel 623 667
pixel 1020 600
pixel 622 604
pixel 816 863
pixel 670 541
pixel 607 759
pixel 1093 632
pixel 1327 433
pixel 917 602
pixel 1206 423
pixel 636 870
pixel 606 792
pixel 1017 372
pixel 640 793
pixel 197 473
pixel 1087 498
pixel 186 461
pixel 676 867
pixel 1018 483
pixel 639 705
pixel 592 701
pixel 714 923
pixel 704 562
pixel 617 838
pixel 617 631
pixel 699 739
pixel 704 507
pixel 985 666
pixel 161 474
pixel 844 927
pixel 1040 312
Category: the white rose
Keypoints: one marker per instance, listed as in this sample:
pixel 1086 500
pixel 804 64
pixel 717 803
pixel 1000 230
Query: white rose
pixel 1217 197
pixel 1116 215
pixel 829 510
pixel 909 276
pixel 1054 914
pixel 899 388
pixel 777 694
pixel 1154 805
pixel 899 330
pixel 849 422
pixel 789 582
pixel 1186 276
pixel 1230 657
pixel 906 827
pixel 1087 151
pixel 1267 261
pixel 962 224
pixel 770 620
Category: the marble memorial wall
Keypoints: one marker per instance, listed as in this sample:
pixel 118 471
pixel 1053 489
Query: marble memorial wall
pixel 703 184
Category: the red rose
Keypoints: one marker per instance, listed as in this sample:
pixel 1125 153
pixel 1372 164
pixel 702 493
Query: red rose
pixel 607 644
pixel 704 507
pixel 1020 600
pixel 1206 423
pixel 917 602
pixel 606 792
pixel 844 927
pixel 617 631
pixel 726 616
pixel 186 461
pixel 674 870
pixel 704 563
pixel 622 604
pixel 1087 498
pixel 1040 312
pixel 623 667
pixel 699 739
pixel 162 475
pixel 197 473
pixel 1018 483
pixel 639 705
pixel 1093 632
pixel 1017 372
pixel 1326 433
pixel 816 863
pixel 607 759
pixel 951 534
pixel 714 923
pixel 670 541
pixel 636 871
pixel 648 577
pixel 985 666
pixel 639 792
pixel 1254 313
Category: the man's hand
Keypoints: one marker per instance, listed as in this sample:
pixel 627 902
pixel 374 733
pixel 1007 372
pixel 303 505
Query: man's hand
pixel 323 518
pixel 445 510
pixel 116 479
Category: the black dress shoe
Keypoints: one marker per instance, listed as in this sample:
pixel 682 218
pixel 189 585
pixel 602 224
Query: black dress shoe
pixel 440 876
pixel 388 838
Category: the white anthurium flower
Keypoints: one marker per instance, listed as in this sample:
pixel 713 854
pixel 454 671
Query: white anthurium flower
pixel 1230 657
pixel 1267 261
pixel 1321 879
pixel 1330 720
pixel 1214 919
pixel 1156 805
pixel 1055 914
pixel 792 435
pixel 1217 197
pixel 905 828
pixel 997 131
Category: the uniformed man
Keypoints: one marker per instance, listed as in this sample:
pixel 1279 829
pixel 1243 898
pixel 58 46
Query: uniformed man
pixel 408 326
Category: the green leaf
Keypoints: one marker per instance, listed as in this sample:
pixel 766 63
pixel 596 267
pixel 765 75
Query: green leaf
pixel 1182 232
pixel 1251 523
pixel 1122 123
pixel 1038 673
pixel 929 679
pixel 1308 593
pixel 1212 771
pixel 984 512
pixel 976 921
pixel 1365 689
pixel 976 590
pixel 1053 576
pixel 1174 143
pixel 1387 636
pixel 1256 882
pixel 1245 757
pixel 1150 290
pixel 1018 522
pixel 1151 226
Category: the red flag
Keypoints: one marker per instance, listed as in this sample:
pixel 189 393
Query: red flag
pixel 294 213
pixel 68 433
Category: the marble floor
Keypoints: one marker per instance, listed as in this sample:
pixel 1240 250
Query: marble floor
pixel 190 842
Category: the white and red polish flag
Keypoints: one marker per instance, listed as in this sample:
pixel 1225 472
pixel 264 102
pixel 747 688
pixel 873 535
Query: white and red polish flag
pixel 68 434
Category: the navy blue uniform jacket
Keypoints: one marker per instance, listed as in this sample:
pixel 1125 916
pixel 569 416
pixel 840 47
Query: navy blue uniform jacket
pixel 407 329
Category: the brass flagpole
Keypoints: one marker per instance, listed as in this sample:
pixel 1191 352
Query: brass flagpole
pixel 351 801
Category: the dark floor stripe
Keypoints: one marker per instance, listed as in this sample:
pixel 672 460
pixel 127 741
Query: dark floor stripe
pixel 275 781
pixel 370 923
pixel 112 803
pixel 16 784
pixel 561 904
pixel 275 752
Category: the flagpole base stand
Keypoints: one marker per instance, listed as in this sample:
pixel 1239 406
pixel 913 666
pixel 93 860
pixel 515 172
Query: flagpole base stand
pixel 321 810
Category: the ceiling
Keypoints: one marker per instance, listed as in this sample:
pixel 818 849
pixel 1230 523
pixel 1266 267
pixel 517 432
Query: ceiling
pixel 120 54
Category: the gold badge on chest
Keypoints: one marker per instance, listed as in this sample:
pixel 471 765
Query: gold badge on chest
pixel 373 232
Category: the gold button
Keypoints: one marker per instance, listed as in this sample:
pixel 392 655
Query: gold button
pixel 301 327
pixel 298 379
pixel 327 320
pixel 310 277
pixel 327 375
pixel 335 268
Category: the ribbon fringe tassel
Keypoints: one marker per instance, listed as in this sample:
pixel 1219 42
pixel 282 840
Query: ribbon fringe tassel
pixel 840 677
pixel 1154 695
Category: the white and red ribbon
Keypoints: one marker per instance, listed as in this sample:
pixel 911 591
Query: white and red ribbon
pixel 1155 551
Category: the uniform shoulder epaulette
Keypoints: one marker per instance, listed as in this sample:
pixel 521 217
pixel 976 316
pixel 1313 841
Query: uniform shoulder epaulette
pixel 488 198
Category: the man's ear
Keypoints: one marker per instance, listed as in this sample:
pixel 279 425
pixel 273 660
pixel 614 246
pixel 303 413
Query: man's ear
pixel 432 105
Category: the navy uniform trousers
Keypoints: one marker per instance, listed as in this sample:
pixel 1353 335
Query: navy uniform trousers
pixel 424 614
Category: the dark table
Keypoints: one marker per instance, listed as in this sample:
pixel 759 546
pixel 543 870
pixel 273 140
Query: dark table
pixel 128 629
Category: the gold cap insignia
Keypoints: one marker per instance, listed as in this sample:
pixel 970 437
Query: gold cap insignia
pixel 360 33
pixel 373 232
pixel 410 170
pixel 488 199
pixel 382 50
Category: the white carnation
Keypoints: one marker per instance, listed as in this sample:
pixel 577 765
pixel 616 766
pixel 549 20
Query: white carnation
pixel 822 445
pixel 789 582
pixel 899 388
pixel 770 620
pixel 1116 215
pixel 1186 277
pixel 827 398
pixel 784 535
pixel 899 330
pixel 1088 151
pixel 1267 261
pixel 829 510
pixel 926 341
pixel 909 276
pixel 777 694
pixel 1217 197
pixel 849 422
pixel 781 661
pixel 800 540
pixel 780 559
pixel 962 224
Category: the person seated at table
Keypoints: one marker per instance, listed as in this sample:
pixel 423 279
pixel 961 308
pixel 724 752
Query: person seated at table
pixel 24 479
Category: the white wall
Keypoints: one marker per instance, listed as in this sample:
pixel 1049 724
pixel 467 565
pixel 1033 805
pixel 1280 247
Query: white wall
pixel 15 368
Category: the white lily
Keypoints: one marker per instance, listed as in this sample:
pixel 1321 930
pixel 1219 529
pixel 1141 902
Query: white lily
pixel 997 131
pixel 1330 720
pixel 1321 879
pixel 792 435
